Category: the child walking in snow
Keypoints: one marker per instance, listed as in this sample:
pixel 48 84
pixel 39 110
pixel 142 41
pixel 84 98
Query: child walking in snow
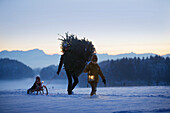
pixel 93 71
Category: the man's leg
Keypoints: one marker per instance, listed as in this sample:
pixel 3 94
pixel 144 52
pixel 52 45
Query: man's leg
pixel 76 81
pixel 69 88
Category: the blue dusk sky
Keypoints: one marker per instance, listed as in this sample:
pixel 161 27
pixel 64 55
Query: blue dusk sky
pixel 114 26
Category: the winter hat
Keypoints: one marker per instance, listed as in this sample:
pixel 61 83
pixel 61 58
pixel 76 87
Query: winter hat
pixel 94 58
pixel 37 77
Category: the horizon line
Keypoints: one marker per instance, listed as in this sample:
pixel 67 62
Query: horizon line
pixel 97 53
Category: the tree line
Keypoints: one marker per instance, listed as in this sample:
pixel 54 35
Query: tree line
pixel 153 70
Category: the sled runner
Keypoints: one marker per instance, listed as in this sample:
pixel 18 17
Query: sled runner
pixel 42 90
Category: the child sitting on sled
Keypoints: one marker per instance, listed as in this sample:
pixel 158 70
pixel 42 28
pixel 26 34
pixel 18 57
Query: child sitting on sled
pixel 36 86
pixel 93 71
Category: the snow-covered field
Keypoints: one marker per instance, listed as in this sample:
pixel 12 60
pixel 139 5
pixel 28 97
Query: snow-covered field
pixel 13 99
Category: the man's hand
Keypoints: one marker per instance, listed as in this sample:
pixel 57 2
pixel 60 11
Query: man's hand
pixel 57 73
pixel 104 81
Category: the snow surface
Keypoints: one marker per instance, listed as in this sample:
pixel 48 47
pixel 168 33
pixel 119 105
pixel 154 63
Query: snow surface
pixel 153 99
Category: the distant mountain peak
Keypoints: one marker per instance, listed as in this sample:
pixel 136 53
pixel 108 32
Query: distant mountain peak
pixel 132 53
pixel 36 51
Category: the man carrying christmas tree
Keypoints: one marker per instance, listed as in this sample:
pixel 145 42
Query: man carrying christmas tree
pixel 76 54
pixel 69 75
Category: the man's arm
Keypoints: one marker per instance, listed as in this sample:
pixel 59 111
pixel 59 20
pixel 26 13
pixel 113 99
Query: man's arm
pixel 60 65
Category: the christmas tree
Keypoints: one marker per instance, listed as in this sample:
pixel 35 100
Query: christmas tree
pixel 77 52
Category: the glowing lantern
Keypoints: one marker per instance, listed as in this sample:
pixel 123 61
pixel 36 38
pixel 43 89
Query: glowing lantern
pixel 91 78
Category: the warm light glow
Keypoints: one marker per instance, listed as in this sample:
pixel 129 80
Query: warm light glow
pixel 91 77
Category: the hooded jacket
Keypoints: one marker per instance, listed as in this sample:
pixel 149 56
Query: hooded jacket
pixel 94 69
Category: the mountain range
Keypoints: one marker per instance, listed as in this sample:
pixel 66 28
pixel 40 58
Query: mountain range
pixel 38 59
